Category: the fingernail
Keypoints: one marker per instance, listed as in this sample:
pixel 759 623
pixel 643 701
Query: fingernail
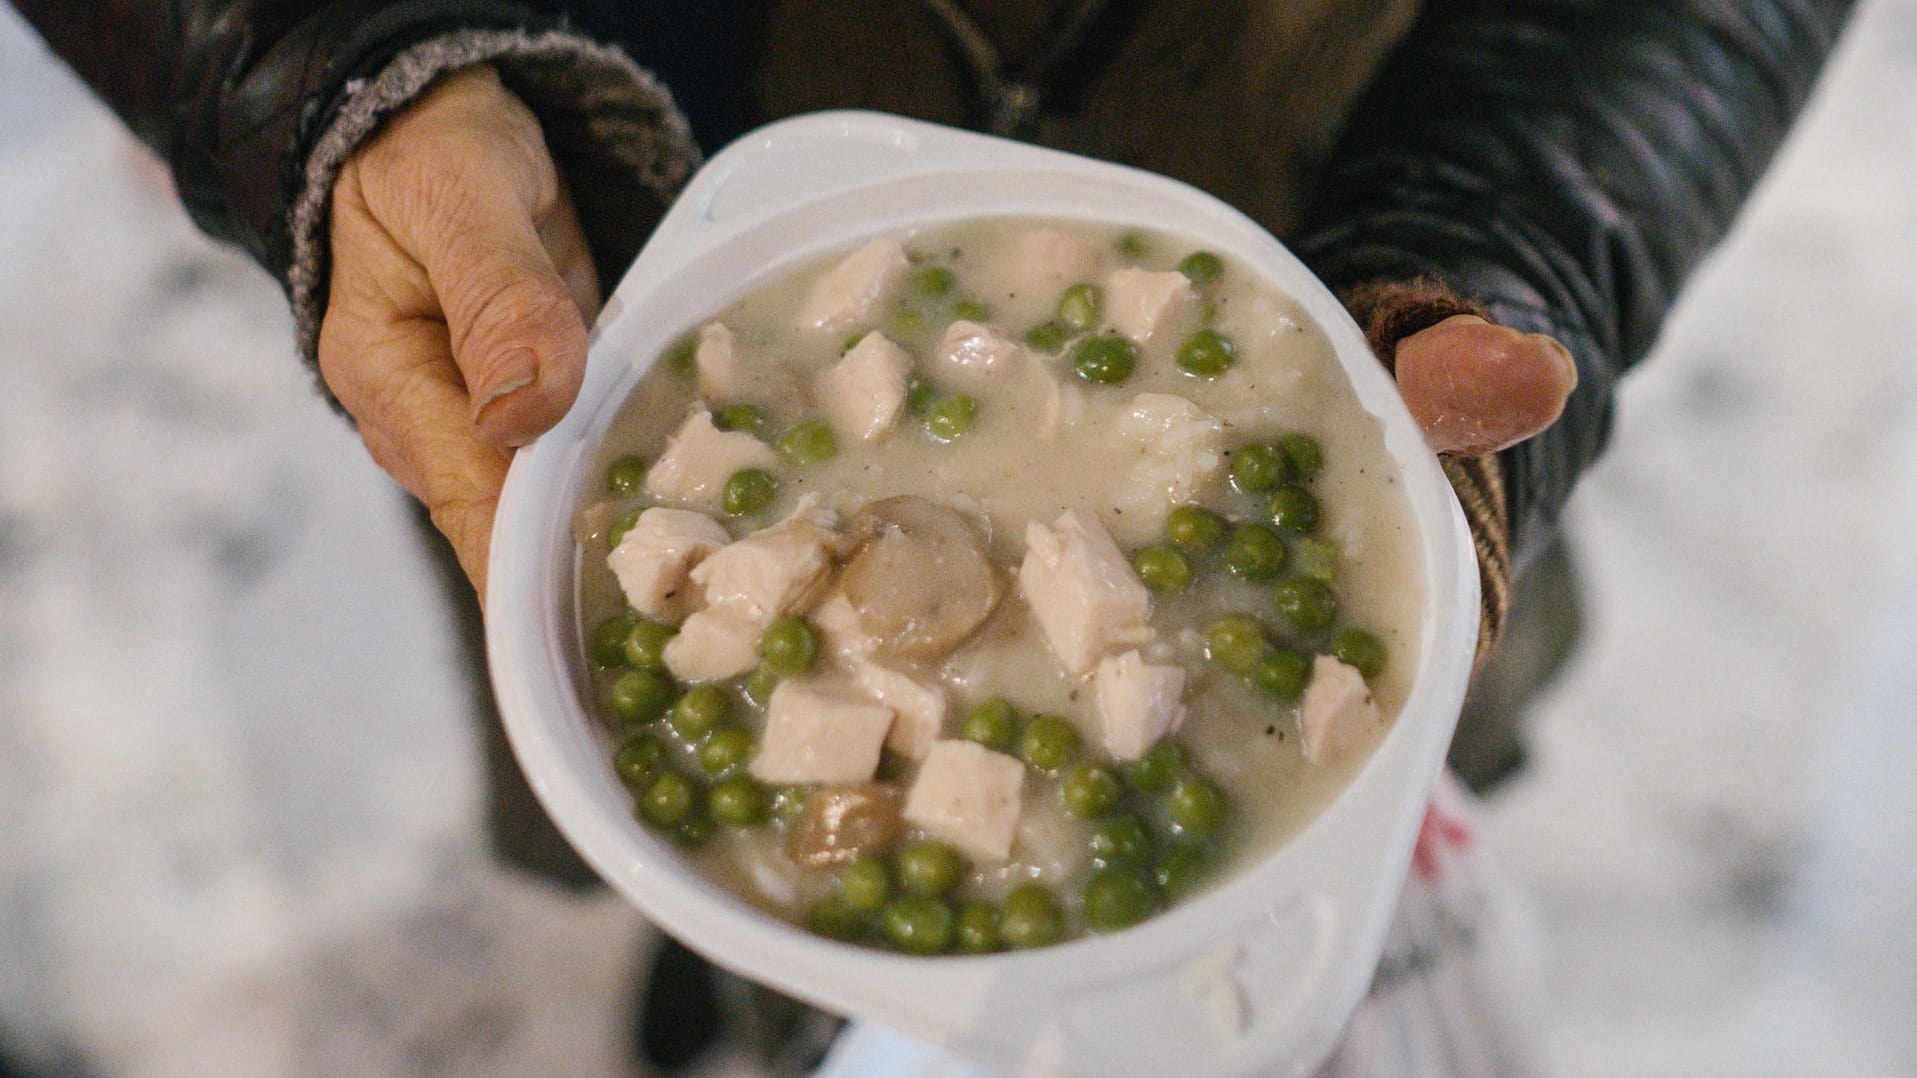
pixel 515 370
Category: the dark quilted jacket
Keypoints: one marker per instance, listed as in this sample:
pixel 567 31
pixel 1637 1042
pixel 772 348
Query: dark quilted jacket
pixel 1564 162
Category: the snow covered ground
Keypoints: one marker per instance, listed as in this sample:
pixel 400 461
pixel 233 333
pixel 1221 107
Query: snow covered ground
pixel 239 800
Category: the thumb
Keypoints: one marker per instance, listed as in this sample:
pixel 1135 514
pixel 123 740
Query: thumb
pixel 463 183
pixel 1475 387
pixel 516 330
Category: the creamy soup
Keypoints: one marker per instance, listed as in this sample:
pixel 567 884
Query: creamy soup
pixel 992 584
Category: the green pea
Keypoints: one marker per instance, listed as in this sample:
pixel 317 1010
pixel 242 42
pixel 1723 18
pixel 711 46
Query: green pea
pixel 952 418
pixel 789 802
pixel 1236 642
pixel 645 645
pixel 621 524
pixel 928 867
pixel 971 310
pixel 625 475
pixel 639 759
pixel 1117 898
pixel 639 696
pixel 1164 762
pixel 918 924
pixel 908 322
pixel 695 829
pixel 1049 743
pixel 748 491
pixel 608 646
pixel 1078 307
pixel 739 802
pixel 1360 649
pixel 1196 805
pixel 682 358
pixel 1308 604
pixel 1195 527
pixel 978 927
pixel 1121 840
pixel 1163 568
pixel 1282 674
pixel 740 417
pixel 700 711
pixel 727 749
pixel 1206 354
pixel 932 281
pixel 1255 552
pixel 1047 337
pixel 667 801
pixel 834 918
pixel 865 883
pixel 789 647
pixel 1181 867
pixel 811 442
pixel 1090 789
pixel 1104 359
pixel 1257 468
pixel 1293 509
pixel 1315 558
pixel 1201 267
pixel 759 685
pixel 1030 917
pixel 919 394
pixel 1134 245
pixel 992 723
pixel 1307 457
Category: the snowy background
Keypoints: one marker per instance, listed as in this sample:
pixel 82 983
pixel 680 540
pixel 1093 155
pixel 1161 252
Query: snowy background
pixel 239 795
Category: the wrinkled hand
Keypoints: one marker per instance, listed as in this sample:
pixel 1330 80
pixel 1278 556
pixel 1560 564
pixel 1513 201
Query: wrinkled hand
pixel 1476 387
pixel 461 289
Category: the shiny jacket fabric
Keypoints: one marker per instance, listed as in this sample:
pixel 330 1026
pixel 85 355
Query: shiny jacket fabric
pixel 1566 163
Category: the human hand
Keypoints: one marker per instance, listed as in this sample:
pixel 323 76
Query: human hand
pixel 461 290
pixel 1475 387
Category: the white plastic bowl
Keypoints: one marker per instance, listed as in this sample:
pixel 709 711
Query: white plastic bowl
pixel 1292 938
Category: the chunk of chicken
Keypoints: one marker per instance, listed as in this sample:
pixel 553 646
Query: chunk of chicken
pixel 815 734
pixel 1139 303
pixel 1138 703
pixel 974 352
pixel 699 458
pixel 1176 448
pixel 839 823
pixel 771 572
pixel 653 559
pixel 715 643
pixel 864 391
pixel 1338 711
pixel 845 638
pixel 918 709
pixel 1082 591
pixel 921 580
pixel 969 796
pixel 851 294
pixel 716 358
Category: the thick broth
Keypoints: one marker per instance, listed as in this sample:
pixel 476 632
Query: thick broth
pixel 1044 441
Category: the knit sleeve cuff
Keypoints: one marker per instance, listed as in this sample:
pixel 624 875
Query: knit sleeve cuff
pixel 1388 311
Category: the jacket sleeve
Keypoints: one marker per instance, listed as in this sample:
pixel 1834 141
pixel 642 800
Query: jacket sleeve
pixel 1565 164
pixel 255 105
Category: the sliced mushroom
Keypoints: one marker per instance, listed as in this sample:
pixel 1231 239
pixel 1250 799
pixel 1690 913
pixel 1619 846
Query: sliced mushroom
pixel 839 823
pixel 921 580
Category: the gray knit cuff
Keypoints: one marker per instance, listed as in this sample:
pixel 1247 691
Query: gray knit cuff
pixel 606 105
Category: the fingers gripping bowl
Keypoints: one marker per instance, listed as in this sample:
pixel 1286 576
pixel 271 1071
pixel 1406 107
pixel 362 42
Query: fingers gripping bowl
pixel 1264 964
